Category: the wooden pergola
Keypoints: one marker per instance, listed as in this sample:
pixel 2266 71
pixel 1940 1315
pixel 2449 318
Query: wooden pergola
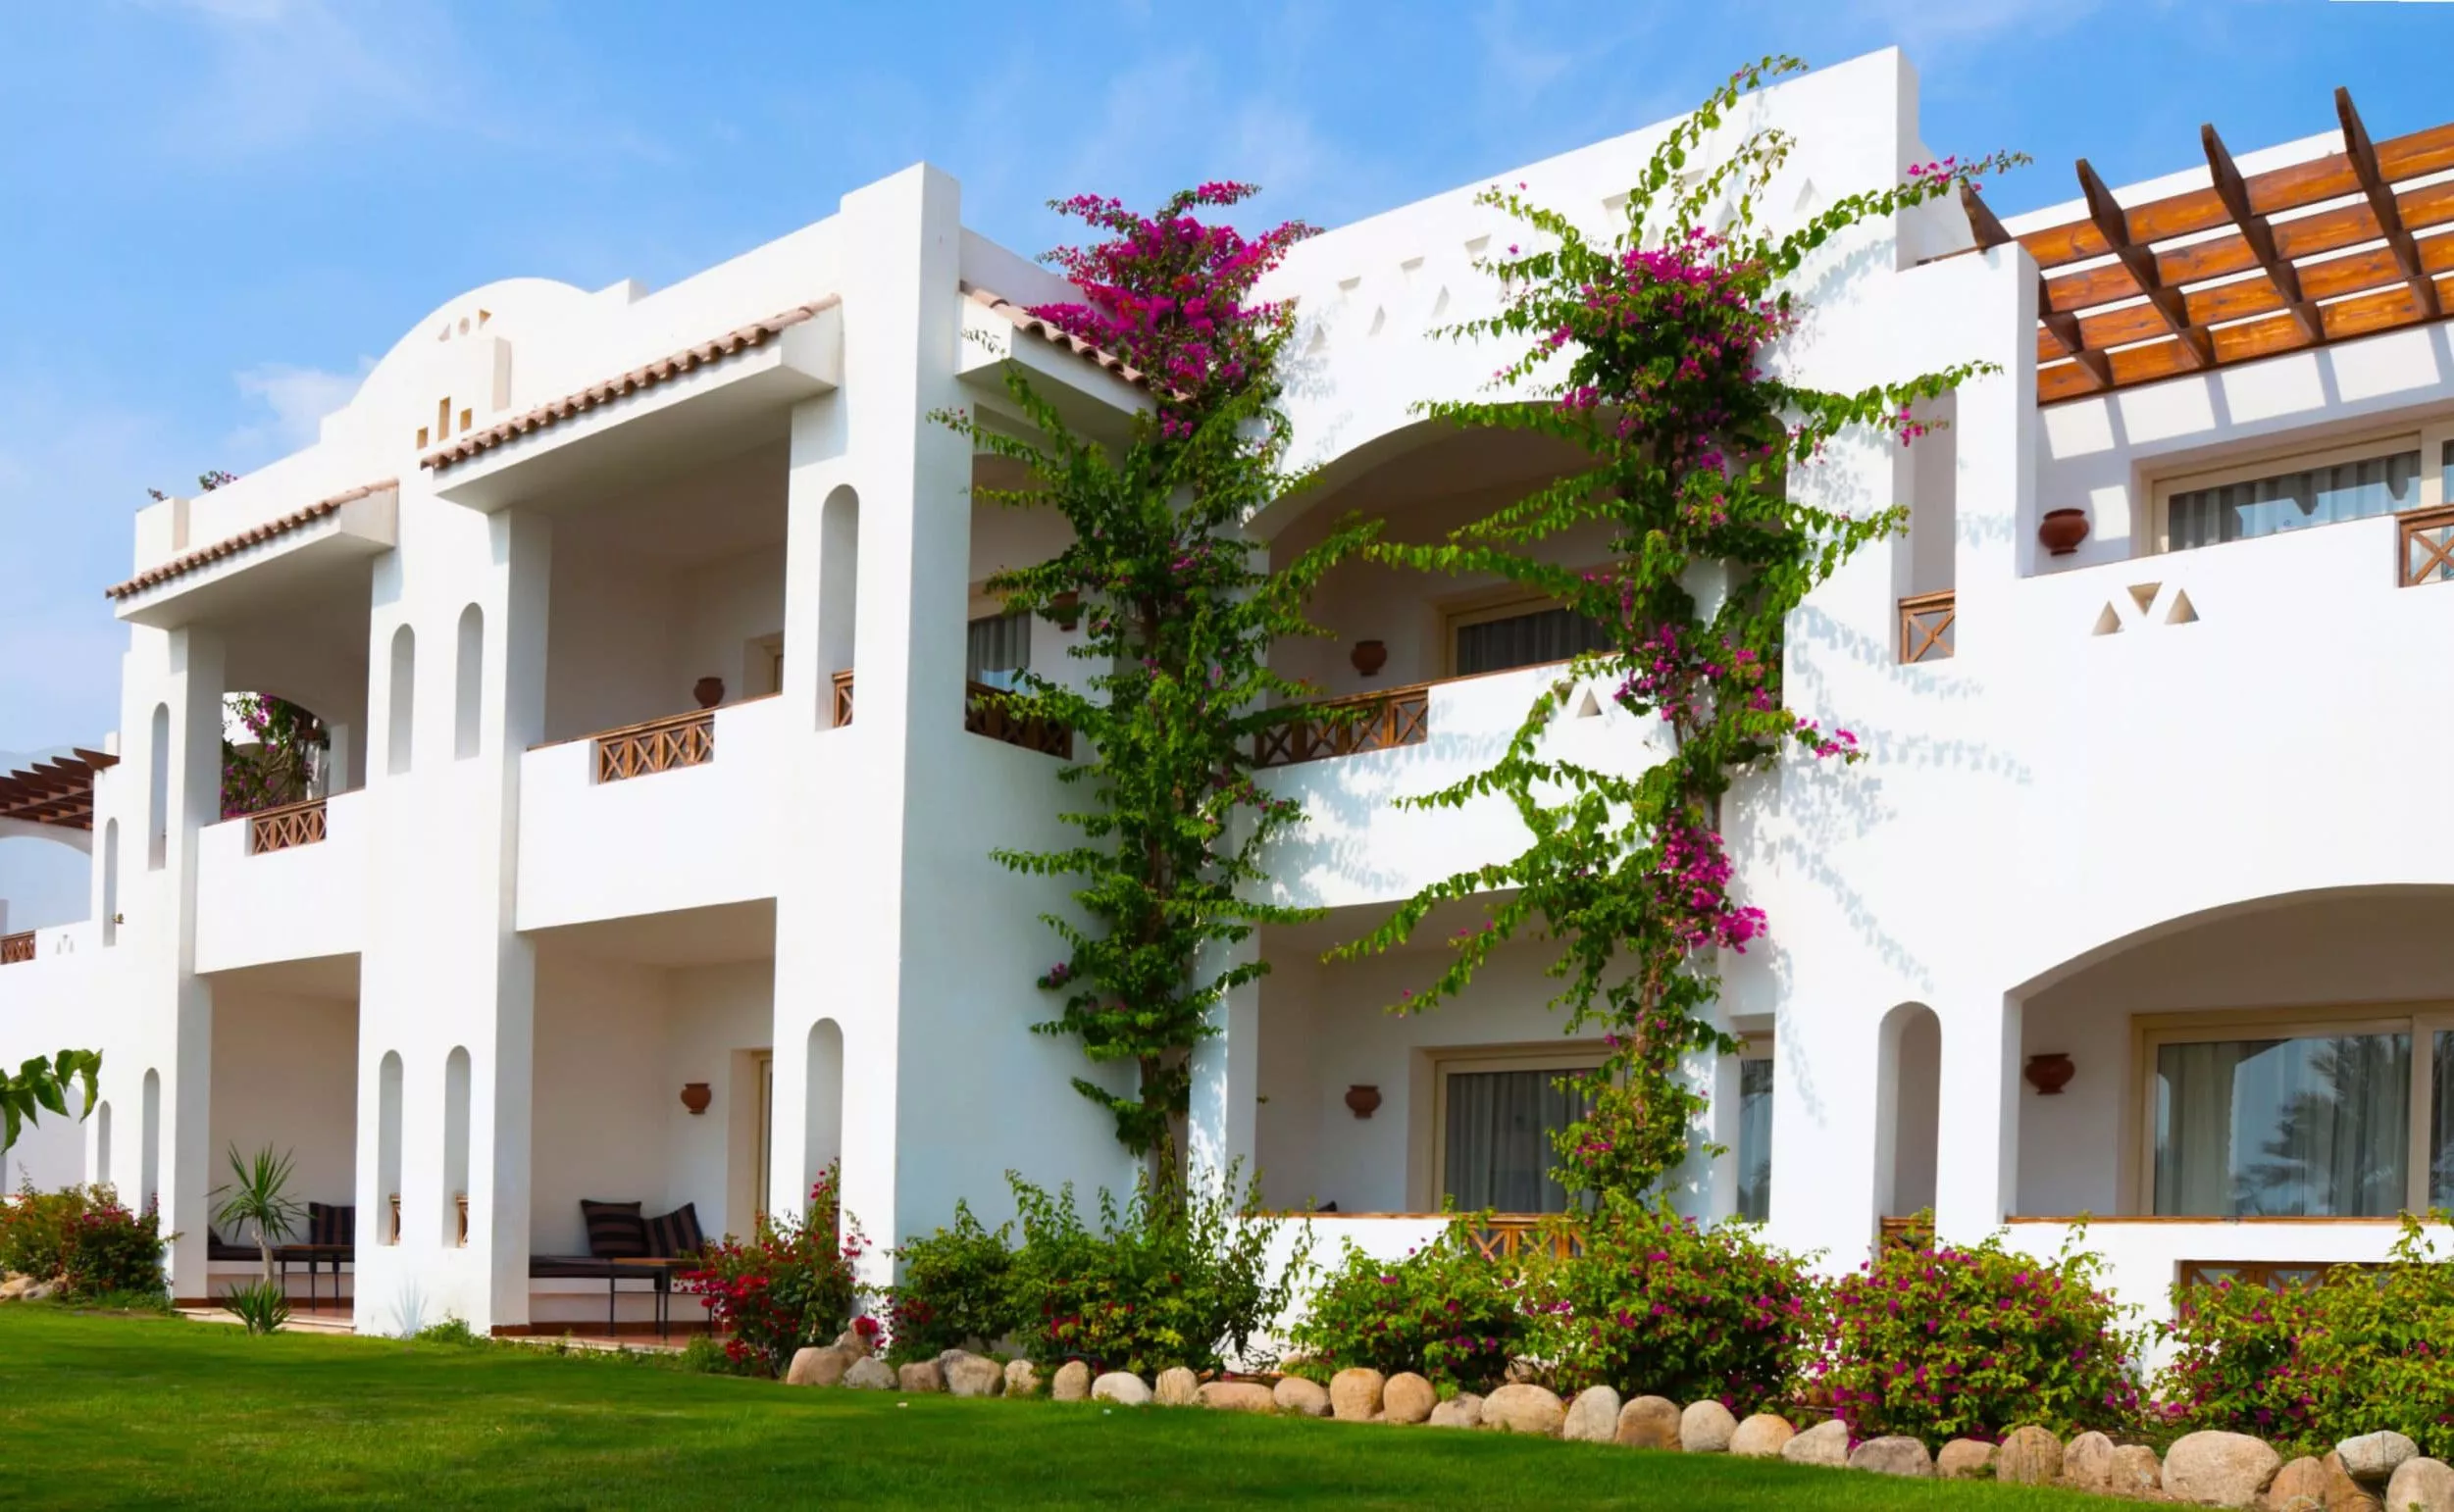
pixel 2230 273
pixel 59 791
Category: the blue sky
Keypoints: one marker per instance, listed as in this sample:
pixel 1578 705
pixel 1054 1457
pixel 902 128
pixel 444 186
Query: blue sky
pixel 220 211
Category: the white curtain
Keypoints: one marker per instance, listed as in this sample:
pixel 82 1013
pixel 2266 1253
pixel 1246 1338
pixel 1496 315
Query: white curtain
pixel 2441 1124
pixel 2315 1127
pixel 1526 641
pixel 1755 1140
pixel 997 646
pixel 1499 1152
pixel 2291 501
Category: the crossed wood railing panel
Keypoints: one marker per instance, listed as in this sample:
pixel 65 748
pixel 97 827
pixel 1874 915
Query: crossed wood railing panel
pixel 1399 716
pixel 990 711
pixel 2272 1275
pixel 2424 546
pixel 17 947
pixel 1906 1232
pixel 280 828
pixel 1505 1238
pixel 1927 624
pixel 842 698
pixel 658 745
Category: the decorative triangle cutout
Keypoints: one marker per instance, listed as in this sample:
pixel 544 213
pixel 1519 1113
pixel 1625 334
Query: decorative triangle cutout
pixel 2109 623
pixel 2143 594
pixel 2182 612
pixel 1590 708
pixel 1806 197
pixel 1440 306
pixel 1380 318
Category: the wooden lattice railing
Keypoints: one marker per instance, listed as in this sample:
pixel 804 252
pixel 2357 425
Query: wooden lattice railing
pixel 292 823
pixel 990 711
pixel 1504 1239
pixel 2424 546
pixel 844 698
pixel 17 947
pixel 1928 627
pixel 1908 1233
pixel 2273 1275
pixel 658 745
pixel 1399 716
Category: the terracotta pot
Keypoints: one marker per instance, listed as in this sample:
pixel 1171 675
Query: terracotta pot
pixel 2050 1072
pixel 1065 610
pixel 710 692
pixel 696 1098
pixel 2062 530
pixel 1363 1100
pixel 1369 656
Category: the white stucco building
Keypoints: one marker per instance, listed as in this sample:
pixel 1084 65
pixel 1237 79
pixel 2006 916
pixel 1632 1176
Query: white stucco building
pixel 2148 805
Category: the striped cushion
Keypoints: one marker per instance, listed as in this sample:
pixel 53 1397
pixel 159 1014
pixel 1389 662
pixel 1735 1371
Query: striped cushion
pixel 615 1231
pixel 676 1235
pixel 329 1223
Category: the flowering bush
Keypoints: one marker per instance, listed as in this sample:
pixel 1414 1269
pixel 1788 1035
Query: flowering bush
pixel 1653 1303
pixel 955 1291
pixel 1444 1311
pixel 1948 1343
pixel 1157 1284
pixel 792 1284
pixel 278 765
pixel 85 1235
pixel 2307 1366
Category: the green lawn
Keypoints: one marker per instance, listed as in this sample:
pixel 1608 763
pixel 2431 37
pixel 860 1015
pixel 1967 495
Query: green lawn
pixel 113 1411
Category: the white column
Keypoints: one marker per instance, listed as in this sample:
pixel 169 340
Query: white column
pixel 193 691
pixel 1977 1157
pixel 1220 1134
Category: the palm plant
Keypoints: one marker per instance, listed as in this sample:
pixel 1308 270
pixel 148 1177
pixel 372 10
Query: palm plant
pixel 259 1194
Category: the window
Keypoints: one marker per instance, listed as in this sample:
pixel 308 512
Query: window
pixel 1755 1140
pixel 997 646
pixel 1496 1119
pixel 1520 635
pixel 2261 1117
pixel 2295 492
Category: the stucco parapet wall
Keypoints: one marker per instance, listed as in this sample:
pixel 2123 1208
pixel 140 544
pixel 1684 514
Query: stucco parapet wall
pixel 648 375
pixel 253 535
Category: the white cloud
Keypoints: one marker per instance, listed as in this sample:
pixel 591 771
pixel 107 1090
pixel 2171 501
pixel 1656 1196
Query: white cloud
pixel 293 402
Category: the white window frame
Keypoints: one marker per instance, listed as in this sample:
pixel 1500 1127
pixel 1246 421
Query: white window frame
pixel 1570 1055
pixel 2430 440
pixel 2151 1032
pixel 1754 1047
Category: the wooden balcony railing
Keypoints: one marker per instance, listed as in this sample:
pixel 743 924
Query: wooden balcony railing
pixel 990 711
pixel 292 823
pixel 1926 627
pixel 1399 716
pixel 1504 1239
pixel 1908 1233
pixel 842 698
pixel 659 745
pixel 2273 1275
pixel 2424 546
pixel 17 947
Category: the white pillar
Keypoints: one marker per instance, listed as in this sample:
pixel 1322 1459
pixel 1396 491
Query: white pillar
pixel 1976 1160
pixel 192 689
pixel 1221 1131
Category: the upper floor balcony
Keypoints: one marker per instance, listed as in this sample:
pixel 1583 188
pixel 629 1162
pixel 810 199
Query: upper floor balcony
pixel 285 883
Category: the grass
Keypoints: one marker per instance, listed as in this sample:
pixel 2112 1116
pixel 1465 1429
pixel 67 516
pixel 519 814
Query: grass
pixel 120 1411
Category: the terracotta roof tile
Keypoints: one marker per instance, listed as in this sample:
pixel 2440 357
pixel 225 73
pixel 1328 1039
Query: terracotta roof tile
pixel 1100 356
pixel 733 342
pixel 254 534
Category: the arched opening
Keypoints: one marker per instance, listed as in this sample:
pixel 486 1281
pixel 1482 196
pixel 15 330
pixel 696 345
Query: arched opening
pixel 157 790
pixel 456 1147
pixel 467 684
pixel 111 882
pixel 839 594
pixel 1909 1089
pixel 822 1121
pixel 401 742
pixel 149 1189
pixel 387 1095
pixel 102 1144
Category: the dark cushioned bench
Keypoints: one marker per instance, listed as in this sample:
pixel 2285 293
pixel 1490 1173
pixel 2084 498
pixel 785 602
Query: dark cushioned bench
pixel 624 1246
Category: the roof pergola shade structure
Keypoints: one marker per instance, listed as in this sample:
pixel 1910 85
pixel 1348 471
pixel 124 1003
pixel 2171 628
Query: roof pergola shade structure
pixel 60 792
pixel 2293 258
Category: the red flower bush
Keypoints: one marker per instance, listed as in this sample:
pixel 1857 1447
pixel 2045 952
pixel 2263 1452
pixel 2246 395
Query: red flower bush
pixel 794 1283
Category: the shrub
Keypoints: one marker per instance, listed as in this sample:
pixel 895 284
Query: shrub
pixel 957 1291
pixel 1653 1303
pixel 260 1304
pixel 791 1285
pixel 2308 1364
pixel 1445 1311
pixel 85 1235
pixel 1152 1287
pixel 451 1331
pixel 1947 1342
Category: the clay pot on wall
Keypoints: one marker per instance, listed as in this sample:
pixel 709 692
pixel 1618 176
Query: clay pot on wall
pixel 1065 611
pixel 1363 1101
pixel 710 692
pixel 2049 1072
pixel 2062 530
pixel 696 1096
pixel 1369 656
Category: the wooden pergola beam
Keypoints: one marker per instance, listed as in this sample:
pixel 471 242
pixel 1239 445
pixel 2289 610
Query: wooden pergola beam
pixel 1982 222
pixel 2113 222
pixel 2257 235
pixel 2362 154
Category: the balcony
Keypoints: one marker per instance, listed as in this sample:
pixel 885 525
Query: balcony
pixel 287 884
pixel 1345 727
pixel 2424 546
pixel 987 711
pixel 17 948
pixel 1928 627
pixel 282 828
pixel 665 744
